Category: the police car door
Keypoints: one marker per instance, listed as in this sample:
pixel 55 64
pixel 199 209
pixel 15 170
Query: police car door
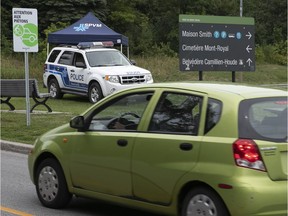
pixel 64 68
pixel 78 73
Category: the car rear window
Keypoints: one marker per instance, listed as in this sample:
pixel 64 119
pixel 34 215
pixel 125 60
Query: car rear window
pixel 213 114
pixel 264 119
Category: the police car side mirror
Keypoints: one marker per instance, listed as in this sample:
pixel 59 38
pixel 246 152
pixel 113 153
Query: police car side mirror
pixel 80 64
pixel 133 62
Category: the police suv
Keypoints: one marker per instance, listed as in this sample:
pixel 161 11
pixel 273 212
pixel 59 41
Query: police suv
pixel 91 69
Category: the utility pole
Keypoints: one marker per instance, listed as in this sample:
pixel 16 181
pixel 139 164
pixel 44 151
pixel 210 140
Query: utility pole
pixel 241 13
pixel 241 8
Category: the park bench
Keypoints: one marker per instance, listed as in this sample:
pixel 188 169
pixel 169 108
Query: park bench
pixel 17 88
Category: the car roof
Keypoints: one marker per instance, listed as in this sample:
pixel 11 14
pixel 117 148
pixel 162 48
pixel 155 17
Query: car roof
pixel 242 91
pixel 74 48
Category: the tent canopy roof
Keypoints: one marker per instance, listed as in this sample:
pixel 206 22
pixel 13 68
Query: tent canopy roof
pixel 87 29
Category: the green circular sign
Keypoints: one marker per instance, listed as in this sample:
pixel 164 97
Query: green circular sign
pixel 27 33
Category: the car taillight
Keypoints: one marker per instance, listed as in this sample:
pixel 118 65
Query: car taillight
pixel 246 154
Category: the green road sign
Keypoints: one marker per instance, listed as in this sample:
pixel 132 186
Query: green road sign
pixel 216 43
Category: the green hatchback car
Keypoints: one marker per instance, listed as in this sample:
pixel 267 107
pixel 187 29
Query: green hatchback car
pixel 182 149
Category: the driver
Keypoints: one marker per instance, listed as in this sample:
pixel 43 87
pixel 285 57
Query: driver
pixel 118 125
pixel 121 123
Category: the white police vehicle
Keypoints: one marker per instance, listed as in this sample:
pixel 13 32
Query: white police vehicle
pixel 91 69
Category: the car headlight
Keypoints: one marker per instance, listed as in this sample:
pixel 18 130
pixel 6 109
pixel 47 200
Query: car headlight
pixel 148 77
pixel 113 78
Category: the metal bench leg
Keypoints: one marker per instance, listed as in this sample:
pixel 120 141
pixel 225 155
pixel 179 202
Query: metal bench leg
pixel 8 103
pixel 39 102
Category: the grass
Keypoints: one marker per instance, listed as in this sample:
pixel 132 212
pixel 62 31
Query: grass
pixel 164 69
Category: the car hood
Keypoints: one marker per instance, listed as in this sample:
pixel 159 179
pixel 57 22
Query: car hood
pixel 120 70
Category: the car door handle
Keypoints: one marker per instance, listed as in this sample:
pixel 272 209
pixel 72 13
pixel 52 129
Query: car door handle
pixel 186 146
pixel 72 70
pixel 122 142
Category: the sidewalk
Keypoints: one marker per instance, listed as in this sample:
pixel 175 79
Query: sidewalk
pixel 15 147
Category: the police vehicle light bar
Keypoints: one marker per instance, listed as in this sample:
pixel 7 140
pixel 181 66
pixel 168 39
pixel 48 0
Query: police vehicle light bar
pixel 86 45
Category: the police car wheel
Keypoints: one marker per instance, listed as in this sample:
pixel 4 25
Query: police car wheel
pixel 95 93
pixel 54 89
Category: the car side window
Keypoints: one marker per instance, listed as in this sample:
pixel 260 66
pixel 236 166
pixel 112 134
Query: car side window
pixel 177 113
pixel 66 58
pixel 78 59
pixel 121 114
pixel 213 114
pixel 53 56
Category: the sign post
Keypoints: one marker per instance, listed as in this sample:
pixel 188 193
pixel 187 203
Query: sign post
pixel 25 39
pixel 216 43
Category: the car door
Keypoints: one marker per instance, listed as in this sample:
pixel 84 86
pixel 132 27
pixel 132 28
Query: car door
pixel 170 147
pixel 78 73
pixel 101 156
pixel 65 65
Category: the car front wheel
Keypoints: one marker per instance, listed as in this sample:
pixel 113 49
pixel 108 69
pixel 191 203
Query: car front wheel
pixel 203 201
pixel 51 184
pixel 95 93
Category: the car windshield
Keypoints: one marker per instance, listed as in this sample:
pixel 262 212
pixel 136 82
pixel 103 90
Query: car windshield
pixel 106 58
pixel 264 119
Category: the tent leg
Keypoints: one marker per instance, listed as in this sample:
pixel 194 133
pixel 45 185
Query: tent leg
pixel 47 51
pixel 128 52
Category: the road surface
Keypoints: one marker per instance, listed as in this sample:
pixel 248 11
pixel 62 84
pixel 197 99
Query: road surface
pixel 18 195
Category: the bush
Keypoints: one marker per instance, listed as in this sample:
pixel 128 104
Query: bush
pixel 276 54
pixel 259 54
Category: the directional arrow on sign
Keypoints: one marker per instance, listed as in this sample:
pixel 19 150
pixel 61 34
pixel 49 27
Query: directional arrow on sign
pixel 248 48
pixel 249 35
pixel 249 61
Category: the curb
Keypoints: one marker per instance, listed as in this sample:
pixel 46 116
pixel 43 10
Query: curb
pixel 15 147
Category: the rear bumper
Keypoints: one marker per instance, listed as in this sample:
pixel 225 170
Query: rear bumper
pixel 257 197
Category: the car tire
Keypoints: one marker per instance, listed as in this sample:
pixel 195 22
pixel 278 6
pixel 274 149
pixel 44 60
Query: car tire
pixel 95 93
pixel 54 89
pixel 51 184
pixel 203 201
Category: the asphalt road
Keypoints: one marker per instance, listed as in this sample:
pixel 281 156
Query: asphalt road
pixel 18 195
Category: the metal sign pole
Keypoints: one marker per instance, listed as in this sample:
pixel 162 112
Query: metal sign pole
pixel 25 39
pixel 27 88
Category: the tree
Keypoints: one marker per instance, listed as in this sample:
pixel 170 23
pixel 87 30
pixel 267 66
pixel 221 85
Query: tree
pixel 127 18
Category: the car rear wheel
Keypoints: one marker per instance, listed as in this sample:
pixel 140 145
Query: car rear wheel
pixel 54 89
pixel 95 93
pixel 202 201
pixel 51 184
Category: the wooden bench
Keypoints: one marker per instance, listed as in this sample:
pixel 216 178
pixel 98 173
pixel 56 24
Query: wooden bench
pixel 17 88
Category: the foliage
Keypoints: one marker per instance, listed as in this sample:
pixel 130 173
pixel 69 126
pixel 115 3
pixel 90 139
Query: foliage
pixel 151 26
pixel 276 54
pixel 270 20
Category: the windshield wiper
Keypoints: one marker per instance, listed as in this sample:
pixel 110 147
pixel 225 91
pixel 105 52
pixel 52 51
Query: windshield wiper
pixel 117 65
pixel 100 65
pixel 107 65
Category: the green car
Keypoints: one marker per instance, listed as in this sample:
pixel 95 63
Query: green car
pixel 182 149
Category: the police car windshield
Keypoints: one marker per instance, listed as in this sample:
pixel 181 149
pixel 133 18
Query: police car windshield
pixel 106 58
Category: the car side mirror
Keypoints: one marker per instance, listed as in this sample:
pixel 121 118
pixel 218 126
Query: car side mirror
pixel 133 62
pixel 80 64
pixel 77 122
